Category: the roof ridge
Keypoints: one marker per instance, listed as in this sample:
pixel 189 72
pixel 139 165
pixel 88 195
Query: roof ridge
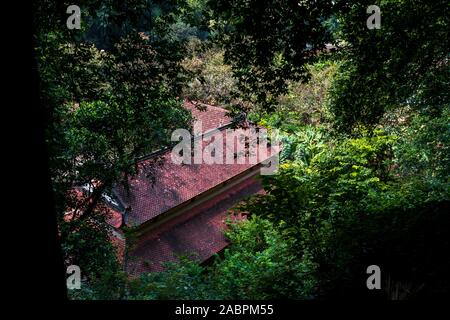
pixel 168 148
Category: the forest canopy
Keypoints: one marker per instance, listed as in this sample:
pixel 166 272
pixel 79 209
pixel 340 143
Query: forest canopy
pixel 363 115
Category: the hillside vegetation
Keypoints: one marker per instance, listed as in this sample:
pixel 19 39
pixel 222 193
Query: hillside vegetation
pixel 364 172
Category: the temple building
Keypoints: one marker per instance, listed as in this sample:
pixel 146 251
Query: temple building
pixel 180 209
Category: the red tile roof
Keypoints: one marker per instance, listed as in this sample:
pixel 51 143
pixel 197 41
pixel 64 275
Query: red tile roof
pixel 212 117
pixel 197 233
pixel 80 201
pixel 161 185
pixel 199 230
pixel 172 184
pixel 117 239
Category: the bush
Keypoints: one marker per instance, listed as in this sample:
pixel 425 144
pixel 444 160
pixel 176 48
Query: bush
pixel 212 82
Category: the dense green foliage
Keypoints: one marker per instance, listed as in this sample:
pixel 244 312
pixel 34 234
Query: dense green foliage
pixel 104 109
pixel 212 81
pixel 259 265
pixel 404 63
pixel 349 202
pixel 268 43
pixel 365 166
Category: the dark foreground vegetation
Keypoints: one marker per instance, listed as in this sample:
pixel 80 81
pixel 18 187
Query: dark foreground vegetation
pixel 364 173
